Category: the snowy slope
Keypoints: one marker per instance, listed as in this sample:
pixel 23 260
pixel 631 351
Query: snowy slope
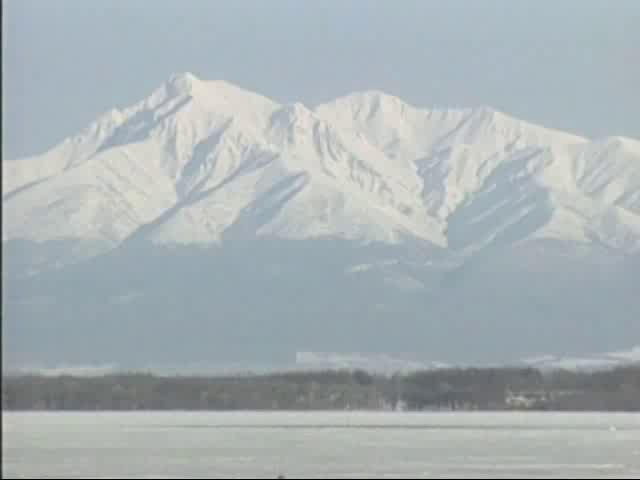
pixel 605 360
pixel 198 161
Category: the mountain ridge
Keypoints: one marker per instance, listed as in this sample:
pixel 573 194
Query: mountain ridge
pixel 366 166
pixel 238 229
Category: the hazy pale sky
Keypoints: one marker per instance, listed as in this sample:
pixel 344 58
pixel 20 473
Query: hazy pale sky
pixel 572 65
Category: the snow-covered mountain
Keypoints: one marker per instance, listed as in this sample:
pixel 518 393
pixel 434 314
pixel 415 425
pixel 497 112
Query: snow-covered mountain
pixel 207 164
pixel 198 159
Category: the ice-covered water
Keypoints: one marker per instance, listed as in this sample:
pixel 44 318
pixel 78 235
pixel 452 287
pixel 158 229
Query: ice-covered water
pixel 320 445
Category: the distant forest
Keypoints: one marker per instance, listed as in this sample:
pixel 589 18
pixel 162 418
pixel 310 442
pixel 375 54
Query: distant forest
pixel 447 389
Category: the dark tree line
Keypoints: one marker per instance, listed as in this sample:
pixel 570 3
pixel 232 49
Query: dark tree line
pixel 457 389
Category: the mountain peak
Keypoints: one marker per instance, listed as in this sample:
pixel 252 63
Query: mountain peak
pixel 369 103
pixel 182 83
pixel 187 84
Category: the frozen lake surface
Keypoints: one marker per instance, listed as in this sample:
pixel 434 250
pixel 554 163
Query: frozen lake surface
pixel 320 445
